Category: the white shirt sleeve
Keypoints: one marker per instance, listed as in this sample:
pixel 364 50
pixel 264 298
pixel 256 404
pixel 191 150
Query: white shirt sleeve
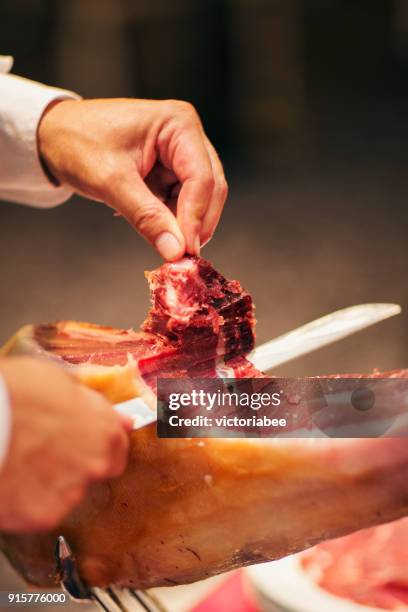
pixel 22 104
pixel 5 421
pixel 22 178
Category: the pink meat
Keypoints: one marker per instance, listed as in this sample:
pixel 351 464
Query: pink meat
pixel 370 566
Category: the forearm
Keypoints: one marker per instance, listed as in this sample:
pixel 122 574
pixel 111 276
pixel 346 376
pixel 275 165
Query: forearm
pixel 22 177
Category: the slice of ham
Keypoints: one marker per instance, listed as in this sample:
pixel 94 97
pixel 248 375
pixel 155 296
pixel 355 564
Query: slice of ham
pixel 186 509
pixel 370 566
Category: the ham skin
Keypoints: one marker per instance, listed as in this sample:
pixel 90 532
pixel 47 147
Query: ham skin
pixel 186 509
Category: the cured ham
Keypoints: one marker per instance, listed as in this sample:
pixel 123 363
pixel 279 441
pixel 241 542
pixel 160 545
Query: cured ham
pixel 369 567
pixel 186 509
pixel 199 324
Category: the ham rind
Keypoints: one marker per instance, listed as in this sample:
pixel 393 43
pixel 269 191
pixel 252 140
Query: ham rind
pixel 186 509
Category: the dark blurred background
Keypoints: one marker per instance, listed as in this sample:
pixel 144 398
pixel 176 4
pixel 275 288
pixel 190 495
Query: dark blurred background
pixel 307 103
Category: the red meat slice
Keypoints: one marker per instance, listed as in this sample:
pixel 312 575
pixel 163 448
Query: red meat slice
pixel 369 567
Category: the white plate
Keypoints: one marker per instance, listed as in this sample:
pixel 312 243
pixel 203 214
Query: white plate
pixel 283 585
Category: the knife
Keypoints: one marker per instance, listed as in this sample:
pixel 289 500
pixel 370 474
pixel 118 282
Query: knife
pixel 298 342
pixel 319 333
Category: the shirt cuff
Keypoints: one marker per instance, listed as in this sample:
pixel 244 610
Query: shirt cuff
pixel 5 421
pixel 22 178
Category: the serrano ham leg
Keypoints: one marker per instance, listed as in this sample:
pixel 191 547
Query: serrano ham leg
pixel 187 509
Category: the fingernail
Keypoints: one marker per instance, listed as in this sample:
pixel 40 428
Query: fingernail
pixel 168 246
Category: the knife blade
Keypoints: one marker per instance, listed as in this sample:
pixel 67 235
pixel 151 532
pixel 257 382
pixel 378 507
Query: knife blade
pixel 319 333
pixel 300 341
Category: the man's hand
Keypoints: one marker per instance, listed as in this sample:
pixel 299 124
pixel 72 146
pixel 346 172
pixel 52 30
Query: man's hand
pixel 149 160
pixel 63 437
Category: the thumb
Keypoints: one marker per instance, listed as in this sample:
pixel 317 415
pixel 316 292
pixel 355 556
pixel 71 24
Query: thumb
pixel 150 217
